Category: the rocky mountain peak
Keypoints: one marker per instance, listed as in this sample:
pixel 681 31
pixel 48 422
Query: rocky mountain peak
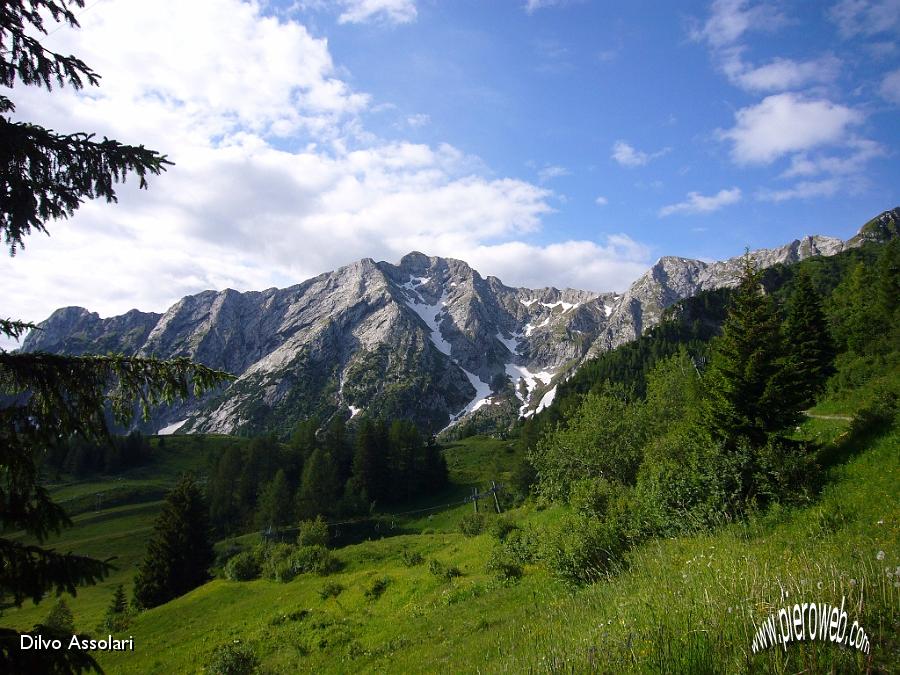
pixel 427 338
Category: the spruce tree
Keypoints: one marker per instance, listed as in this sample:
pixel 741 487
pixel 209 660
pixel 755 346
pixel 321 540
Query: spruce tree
pixel 60 619
pixel 810 346
pixel 117 613
pixel 320 487
pixel 370 461
pixel 275 509
pixel 748 380
pixel 179 553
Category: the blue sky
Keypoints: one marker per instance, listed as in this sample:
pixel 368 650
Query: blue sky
pixel 548 142
pixel 546 94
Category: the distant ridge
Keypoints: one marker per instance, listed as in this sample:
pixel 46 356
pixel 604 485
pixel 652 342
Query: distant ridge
pixel 428 339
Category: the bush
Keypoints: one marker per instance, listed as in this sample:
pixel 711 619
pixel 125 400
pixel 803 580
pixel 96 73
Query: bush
pixel 242 567
pixel 315 560
pixel 232 658
pixel 581 549
pixel 275 564
pixel 503 565
pixel 377 588
pixel 472 524
pixel 447 572
pixel 313 532
pixel 331 590
pixel 499 528
pixel 521 546
pixel 412 558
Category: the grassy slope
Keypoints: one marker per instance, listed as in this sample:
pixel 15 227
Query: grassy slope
pixel 686 604
pixel 119 531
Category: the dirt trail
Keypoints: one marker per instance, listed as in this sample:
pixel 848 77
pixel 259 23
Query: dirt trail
pixel 845 418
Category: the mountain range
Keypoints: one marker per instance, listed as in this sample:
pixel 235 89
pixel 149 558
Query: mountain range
pixel 427 339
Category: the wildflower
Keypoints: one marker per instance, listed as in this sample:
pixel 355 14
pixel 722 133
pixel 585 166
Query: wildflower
pixel 880 555
pixel 853 582
pixel 819 585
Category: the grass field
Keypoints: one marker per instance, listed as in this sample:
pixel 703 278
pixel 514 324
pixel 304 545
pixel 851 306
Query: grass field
pixel 688 604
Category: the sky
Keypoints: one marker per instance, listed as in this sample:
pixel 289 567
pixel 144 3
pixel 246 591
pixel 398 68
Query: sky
pixel 546 142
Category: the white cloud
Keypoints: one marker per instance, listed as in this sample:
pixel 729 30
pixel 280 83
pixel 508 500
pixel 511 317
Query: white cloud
pixel 626 155
pixel 610 266
pixel 865 17
pixel 601 201
pixel 787 123
pixel 890 87
pixel 551 172
pixel 272 183
pixel 727 25
pixel 532 6
pixel 860 152
pixel 418 120
pixel 803 190
pixel 697 203
pixel 391 11
pixel 729 20
pixel 781 74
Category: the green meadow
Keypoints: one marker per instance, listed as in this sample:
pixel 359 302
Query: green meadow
pixel 686 604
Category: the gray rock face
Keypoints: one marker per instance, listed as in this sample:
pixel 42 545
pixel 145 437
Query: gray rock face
pixel 672 279
pixel 427 339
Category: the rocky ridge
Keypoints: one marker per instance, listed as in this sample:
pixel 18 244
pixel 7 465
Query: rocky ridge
pixel 428 339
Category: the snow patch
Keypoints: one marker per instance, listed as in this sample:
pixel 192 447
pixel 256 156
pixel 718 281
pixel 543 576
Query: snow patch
pixel 171 429
pixel 607 309
pixel 430 315
pixel 482 393
pixel 546 399
pixel 528 303
pixel 529 328
pixel 354 411
pixel 565 305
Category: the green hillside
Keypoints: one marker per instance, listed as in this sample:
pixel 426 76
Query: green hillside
pixel 687 603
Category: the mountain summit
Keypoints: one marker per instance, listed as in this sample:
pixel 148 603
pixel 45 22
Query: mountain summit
pixel 428 339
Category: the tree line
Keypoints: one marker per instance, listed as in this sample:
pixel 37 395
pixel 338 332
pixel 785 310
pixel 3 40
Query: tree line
pixel 326 471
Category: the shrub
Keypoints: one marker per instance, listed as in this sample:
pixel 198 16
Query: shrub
pixel 581 549
pixel 500 528
pixel 521 546
pixel 439 569
pixel 412 558
pixel 242 567
pixel 296 615
pixel 275 562
pixel 232 658
pixel 503 565
pixel 313 532
pixel 330 590
pixel 314 559
pixel 472 524
pixel 377 588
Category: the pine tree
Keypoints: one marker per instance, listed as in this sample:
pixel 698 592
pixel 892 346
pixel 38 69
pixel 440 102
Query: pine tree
pixel 117 613
pixel 320 487
pixel 748 382
pixel 60 619
pixel 275 509
pixel 808 337
pixel 370 461
pixel 179 553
